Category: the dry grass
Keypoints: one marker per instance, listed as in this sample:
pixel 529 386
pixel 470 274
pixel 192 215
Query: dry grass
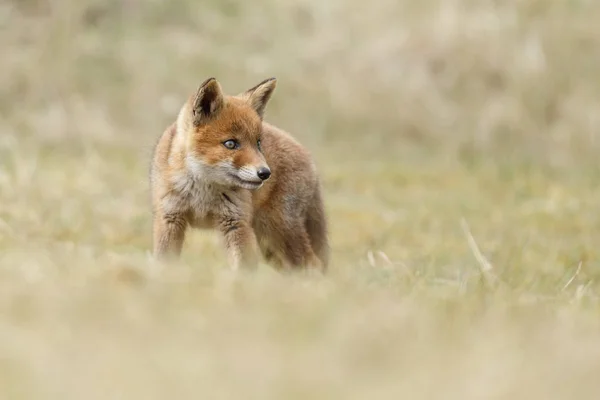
pixel 458 145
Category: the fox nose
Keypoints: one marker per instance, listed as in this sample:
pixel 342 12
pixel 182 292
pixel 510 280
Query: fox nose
pixel 263 173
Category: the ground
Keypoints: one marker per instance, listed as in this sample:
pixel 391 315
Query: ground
pixel 457 143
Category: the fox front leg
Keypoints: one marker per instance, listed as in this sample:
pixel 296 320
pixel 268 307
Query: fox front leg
pixel 240 244
pixel 169 234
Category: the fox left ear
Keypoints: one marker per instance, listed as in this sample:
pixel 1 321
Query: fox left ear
pixel 208 101
pixel 259 95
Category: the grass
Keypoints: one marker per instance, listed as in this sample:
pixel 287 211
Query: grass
pixel 457 143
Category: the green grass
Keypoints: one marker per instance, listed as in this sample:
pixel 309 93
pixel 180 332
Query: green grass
pixel 457 143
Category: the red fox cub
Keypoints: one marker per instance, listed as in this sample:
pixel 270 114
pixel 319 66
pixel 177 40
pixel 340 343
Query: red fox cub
pixel 220 166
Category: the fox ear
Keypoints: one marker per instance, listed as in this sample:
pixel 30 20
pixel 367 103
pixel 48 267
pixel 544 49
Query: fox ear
pixel 259 95
pixel 208 101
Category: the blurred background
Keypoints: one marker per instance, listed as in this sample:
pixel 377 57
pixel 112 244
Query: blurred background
pixel 453 137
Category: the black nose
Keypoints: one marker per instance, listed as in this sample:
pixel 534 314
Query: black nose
pixel 263 173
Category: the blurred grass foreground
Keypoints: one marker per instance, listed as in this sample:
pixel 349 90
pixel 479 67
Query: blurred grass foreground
pixel 458 145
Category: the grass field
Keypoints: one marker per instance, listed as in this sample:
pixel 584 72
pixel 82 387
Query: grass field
pixel 458 145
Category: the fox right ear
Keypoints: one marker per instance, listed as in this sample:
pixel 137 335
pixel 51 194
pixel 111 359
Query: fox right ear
pixel 208 101
pixel 259 95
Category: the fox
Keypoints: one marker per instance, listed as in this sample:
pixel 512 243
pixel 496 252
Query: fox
pixel 221 166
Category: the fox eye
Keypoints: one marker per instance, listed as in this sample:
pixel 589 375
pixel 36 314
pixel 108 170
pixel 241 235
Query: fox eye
pixel 258 144
pixel 231 144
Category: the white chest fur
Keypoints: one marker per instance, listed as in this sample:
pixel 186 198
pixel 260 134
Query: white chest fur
pixel 198 199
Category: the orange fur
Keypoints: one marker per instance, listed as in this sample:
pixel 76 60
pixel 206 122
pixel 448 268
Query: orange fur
pixel 199 182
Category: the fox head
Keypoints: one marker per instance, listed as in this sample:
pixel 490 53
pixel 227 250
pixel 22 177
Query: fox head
pixel 223 134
